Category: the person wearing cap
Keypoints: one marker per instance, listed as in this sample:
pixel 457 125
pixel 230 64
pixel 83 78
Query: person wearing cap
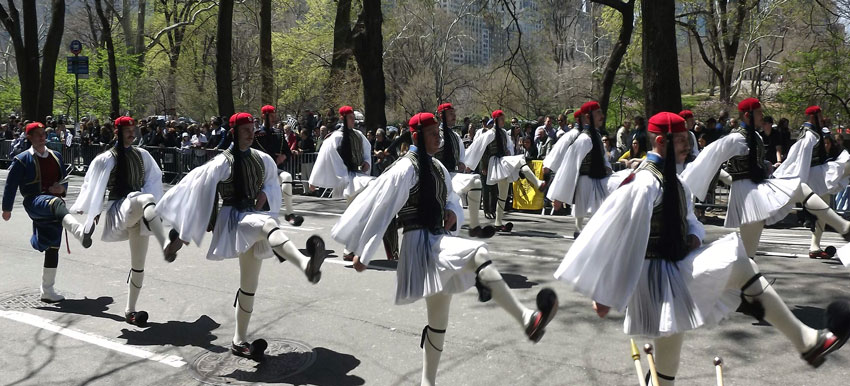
pixel 246 179
pixel 837 178
pixel 690 122
pixel 344 160
pixel 755 200
pixel 434 264
pixel 494 149
pixel 451 155
pixel 266 141
pixel 582 178
pixel 643 254
pixel 134 182
pixel 41 176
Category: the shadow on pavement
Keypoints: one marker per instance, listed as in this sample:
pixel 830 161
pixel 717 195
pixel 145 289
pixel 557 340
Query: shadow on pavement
pixel 90 307
pixel 515 281
pixel 813 317
pixel 176 333
pixel 331 368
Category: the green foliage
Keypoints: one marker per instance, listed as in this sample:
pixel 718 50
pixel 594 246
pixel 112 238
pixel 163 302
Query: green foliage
pixel 820 76
pixel 10 95
pixel 94 91
pixel 302 57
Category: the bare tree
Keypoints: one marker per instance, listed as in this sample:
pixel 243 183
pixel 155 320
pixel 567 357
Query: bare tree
pixel 37 79
pixel 106 29
pixel 627 12
pixel 724 24
pixel 179 15
pixel 224 55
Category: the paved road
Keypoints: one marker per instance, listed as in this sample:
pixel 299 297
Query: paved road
pixel 346 330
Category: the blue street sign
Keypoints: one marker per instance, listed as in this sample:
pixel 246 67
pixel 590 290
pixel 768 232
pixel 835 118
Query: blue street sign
pixel 78 64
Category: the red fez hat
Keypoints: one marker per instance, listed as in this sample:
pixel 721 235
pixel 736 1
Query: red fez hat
pixel 345 110
pixel 267 109
pixel 497 113
pixel 587 107
pixel 33 126
pixel 577 114
pixel 240 119
pixel 421 121
pixel 665 122
pixel 749 104
pixel 444 107
pixel 124 121
pixel 685 114
pixel 812 110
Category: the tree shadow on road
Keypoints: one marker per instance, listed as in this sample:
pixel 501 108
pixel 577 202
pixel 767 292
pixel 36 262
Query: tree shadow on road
pixel 176 333
pixel 90 307
pixel 330 368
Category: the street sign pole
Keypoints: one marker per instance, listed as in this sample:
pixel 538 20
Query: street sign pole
pixel 76 48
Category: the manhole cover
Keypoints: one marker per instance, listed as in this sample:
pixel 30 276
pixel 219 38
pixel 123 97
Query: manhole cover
pixel 284 358
pixel 24 299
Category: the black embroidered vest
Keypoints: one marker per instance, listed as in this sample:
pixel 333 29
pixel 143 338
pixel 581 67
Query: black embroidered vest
pixel 409 213
pixel 135 174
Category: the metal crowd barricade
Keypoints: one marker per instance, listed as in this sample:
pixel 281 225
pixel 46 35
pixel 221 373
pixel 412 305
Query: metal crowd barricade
pixel 300 168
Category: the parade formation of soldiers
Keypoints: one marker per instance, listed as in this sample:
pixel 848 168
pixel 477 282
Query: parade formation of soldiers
pixel 639 248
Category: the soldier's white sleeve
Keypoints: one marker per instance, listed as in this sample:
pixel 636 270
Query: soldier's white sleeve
pixel 90 199
pixel 361 227
pixel 153 175
pixel 699 173
pixel 271 184
pixel 476 149
pixel 453 202
pixel 509 143
pixel 694 226
pixel 799 160
pixel 554 159
pixel 189 205
pixel 461 148
pixel 367 149
pixel 563 186
pixel 605 261
pixel 330 170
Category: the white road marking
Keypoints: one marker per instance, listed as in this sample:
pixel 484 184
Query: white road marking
pixel 309 212
pixel 348 263
pixel 49 325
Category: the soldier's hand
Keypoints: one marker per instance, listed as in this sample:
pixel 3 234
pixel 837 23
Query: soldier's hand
pixel 557 205
pixel 261 201
pixel 364 167
pixel 358 266
pixel 56 188
pixel 601 309
pixel 450 220
pixel 7 215
pixel 693 242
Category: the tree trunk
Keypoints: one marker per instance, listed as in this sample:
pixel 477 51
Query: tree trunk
pixel 224 54
pixel 627 10
pixel 342 44
pixel 660 60
pixel 140 34
pixel 50 55
pixel 114 101
pixel 266 70
pixel 368 51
